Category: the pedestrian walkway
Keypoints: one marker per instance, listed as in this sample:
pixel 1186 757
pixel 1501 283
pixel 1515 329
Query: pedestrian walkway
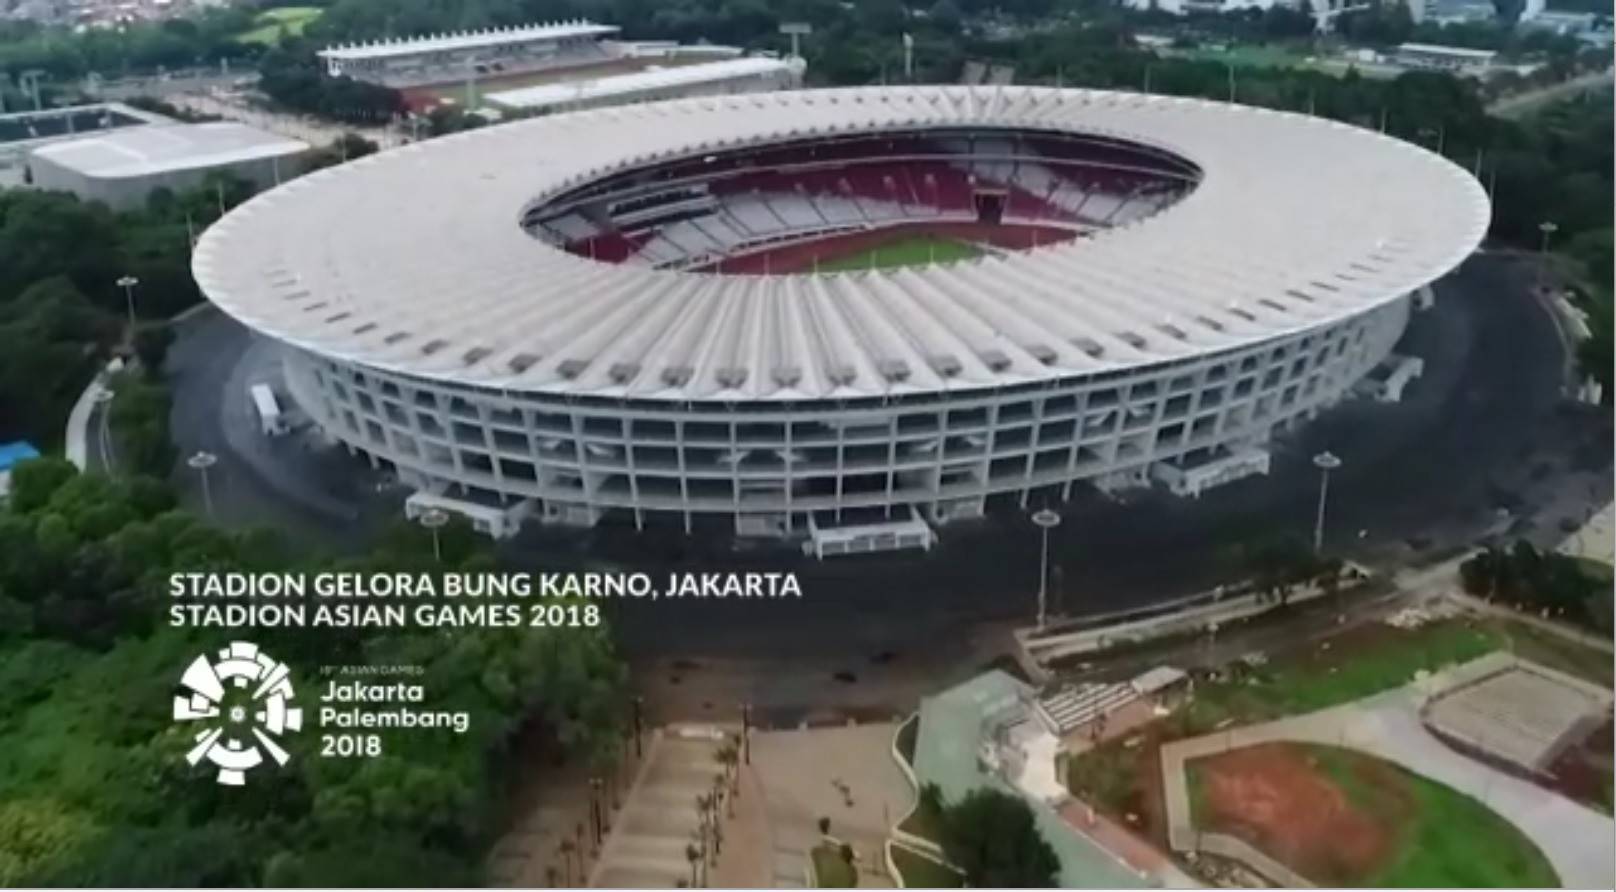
pixel 747 860
pixel 1126 845
pixel 646 847
pixel 1574 838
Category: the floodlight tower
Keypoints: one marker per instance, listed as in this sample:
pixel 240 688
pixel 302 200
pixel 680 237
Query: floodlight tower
pixel 796 31
pixel 29 84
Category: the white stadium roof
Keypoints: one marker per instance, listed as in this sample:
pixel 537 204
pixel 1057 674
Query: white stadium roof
pixel 162 148
pixel 588 91
pixel 414 260
pixel 466 40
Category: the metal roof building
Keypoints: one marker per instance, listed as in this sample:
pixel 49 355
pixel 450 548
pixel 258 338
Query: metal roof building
pixel 414 59
pixel 745 75
pixel 121 167
pixel 1276 276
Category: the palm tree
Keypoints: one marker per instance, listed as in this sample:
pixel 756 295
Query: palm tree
pixel 565 849
pixel 729 756
pixel 578 847
pixel 693 855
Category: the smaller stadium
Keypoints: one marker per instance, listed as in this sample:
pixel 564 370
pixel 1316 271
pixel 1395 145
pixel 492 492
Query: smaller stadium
pixel 558 66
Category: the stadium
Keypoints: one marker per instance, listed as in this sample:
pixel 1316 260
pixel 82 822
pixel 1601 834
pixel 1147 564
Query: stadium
pixel 849 315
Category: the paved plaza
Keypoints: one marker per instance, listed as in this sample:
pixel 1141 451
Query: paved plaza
pixel 1525 715
pixel 845 774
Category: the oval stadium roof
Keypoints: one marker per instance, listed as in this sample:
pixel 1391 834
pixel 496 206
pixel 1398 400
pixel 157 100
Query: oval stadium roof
pixel 414 259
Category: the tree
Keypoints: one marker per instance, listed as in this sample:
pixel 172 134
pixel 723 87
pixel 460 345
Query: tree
pixel 993 837
pixel 33 482
pixel 152 341
pixel 693 855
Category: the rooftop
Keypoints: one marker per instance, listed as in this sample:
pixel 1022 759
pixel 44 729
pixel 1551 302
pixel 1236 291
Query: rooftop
pixel 467 40
pixel 138 151
pixel 1439 50
pixel 656 78
pixel 1299 222
pixel 11 454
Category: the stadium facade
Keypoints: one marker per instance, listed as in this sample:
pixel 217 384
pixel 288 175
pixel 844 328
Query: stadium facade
pixel 633 309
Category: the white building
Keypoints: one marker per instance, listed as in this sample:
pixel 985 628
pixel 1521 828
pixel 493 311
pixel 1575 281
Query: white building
pixel 729 76
pixel 1184 7
pixel 122 167
pixel 427 59
pixel 23 132
pixel 550 310
pixel 1458 60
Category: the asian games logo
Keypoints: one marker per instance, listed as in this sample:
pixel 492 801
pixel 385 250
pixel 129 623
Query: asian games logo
pixel 241 703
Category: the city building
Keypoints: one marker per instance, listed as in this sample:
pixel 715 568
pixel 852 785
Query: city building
pixel 1585 26
pixel 624 309
pixel 1457 60
pixel 753 74
pixel 121 167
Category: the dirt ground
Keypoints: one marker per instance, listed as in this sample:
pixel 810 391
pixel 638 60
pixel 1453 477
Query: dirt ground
pixel 1275 797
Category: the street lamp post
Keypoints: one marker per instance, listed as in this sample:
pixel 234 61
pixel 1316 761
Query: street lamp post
pixel 639 704
pixel 128 283
pixel 434 519
pixel 1548 228
pixel 746 733
pixel 201 462
pixel 1046 521
pixel 596 813
pixel 1326 462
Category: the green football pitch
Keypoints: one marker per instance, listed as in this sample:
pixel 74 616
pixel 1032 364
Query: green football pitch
pixel 914 250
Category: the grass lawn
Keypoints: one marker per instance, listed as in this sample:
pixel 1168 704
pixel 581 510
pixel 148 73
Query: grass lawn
pixel 920 872
pixel 912 251
pixel 1429 834
pixel 830 870
pixel 1377 658
pixel 270 22
pixel 1107 778
pixel 1357 664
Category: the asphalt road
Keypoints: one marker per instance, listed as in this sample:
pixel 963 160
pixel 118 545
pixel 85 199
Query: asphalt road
pixel 313 493
pixel 1483 430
